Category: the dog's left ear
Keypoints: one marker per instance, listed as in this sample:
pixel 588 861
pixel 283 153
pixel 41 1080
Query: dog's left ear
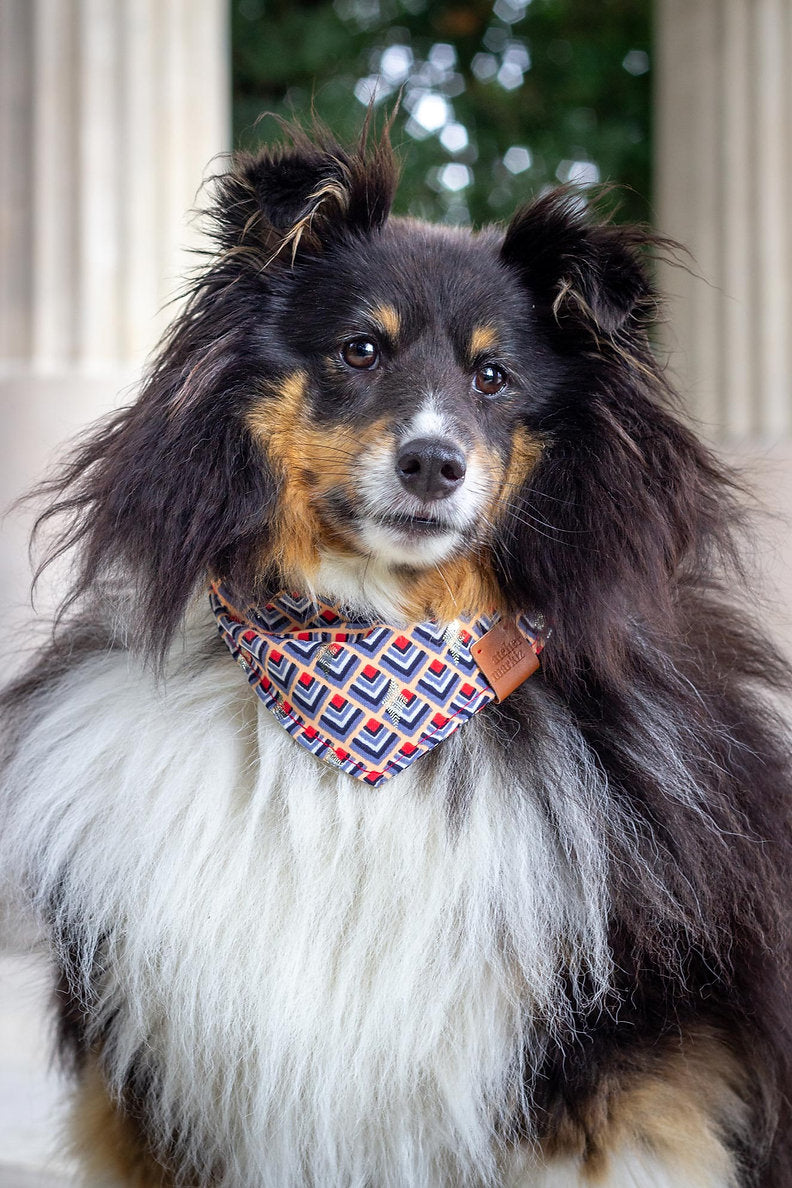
pixel 575 269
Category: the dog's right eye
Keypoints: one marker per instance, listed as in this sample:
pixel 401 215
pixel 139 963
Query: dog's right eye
pixel 361 353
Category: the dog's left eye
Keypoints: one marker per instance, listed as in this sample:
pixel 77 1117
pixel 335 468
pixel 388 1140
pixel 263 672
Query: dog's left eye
pixel 361 353
pixel 489 380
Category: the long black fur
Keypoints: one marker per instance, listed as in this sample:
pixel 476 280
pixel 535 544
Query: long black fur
pixel 623 534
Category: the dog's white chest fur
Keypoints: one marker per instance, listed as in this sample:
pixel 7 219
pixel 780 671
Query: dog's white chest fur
pixel 335 984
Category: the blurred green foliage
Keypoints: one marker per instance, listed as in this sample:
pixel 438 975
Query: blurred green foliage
pixel 499 100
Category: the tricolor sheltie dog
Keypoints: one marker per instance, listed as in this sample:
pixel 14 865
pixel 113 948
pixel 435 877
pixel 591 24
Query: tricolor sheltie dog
pixel 370 908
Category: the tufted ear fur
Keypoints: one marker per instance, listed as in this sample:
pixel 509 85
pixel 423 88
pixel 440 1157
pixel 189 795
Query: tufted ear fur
pixel 303 194
pixel 574 268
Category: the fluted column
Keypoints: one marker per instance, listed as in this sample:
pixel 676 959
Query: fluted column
pixel 110 114
pixel 723 179
pixel 723 168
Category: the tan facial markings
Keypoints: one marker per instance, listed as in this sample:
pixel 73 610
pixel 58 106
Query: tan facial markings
pixel 504 479
pixel 525 453
pixel 462 585
pixel 483 338
pixel 309 462
pixel 281 427
pixel 466 584
pixel 388 319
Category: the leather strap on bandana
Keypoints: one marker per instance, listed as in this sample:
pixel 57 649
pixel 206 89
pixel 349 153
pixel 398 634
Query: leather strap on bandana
pixel 366 698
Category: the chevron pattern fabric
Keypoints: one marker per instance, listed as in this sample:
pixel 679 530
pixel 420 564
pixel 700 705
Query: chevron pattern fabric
pixel 366 698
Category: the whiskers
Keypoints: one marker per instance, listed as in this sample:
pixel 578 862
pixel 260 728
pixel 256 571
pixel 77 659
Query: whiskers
pixel 531 518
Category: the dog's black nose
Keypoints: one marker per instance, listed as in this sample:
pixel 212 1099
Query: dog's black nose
pixel 431 467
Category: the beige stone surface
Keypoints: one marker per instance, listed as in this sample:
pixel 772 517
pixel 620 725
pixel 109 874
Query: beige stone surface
pixel 21 1177
pixel 31 1091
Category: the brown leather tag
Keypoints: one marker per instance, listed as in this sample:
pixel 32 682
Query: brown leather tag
pixel 505 657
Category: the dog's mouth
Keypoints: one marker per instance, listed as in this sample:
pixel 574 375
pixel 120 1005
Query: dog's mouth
pixel 397 536
pixel 414 526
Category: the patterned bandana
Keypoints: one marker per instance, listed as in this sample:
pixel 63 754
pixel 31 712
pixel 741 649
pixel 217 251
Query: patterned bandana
pixel 366 698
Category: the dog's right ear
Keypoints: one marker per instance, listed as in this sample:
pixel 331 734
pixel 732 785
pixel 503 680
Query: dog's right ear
pixel 303 195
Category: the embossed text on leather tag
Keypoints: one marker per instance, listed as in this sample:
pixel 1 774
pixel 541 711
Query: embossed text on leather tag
pixel 505 657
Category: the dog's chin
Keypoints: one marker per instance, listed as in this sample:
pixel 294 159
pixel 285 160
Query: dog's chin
pixel 403 540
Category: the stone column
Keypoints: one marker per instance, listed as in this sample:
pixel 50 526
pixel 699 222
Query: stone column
pixel 110 114
pixel 723 164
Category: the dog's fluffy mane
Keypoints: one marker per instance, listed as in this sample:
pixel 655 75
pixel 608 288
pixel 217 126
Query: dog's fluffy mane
pixel 654 707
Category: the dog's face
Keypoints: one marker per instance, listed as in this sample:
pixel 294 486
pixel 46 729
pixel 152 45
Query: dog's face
pixel 400 427
pixel 435 420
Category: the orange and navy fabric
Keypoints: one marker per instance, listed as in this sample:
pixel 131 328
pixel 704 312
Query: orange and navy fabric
pixel 366 698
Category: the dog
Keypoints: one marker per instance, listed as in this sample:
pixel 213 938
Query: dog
pixel 509 905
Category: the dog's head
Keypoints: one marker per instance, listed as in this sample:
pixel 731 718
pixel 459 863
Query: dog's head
pixel 413 419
